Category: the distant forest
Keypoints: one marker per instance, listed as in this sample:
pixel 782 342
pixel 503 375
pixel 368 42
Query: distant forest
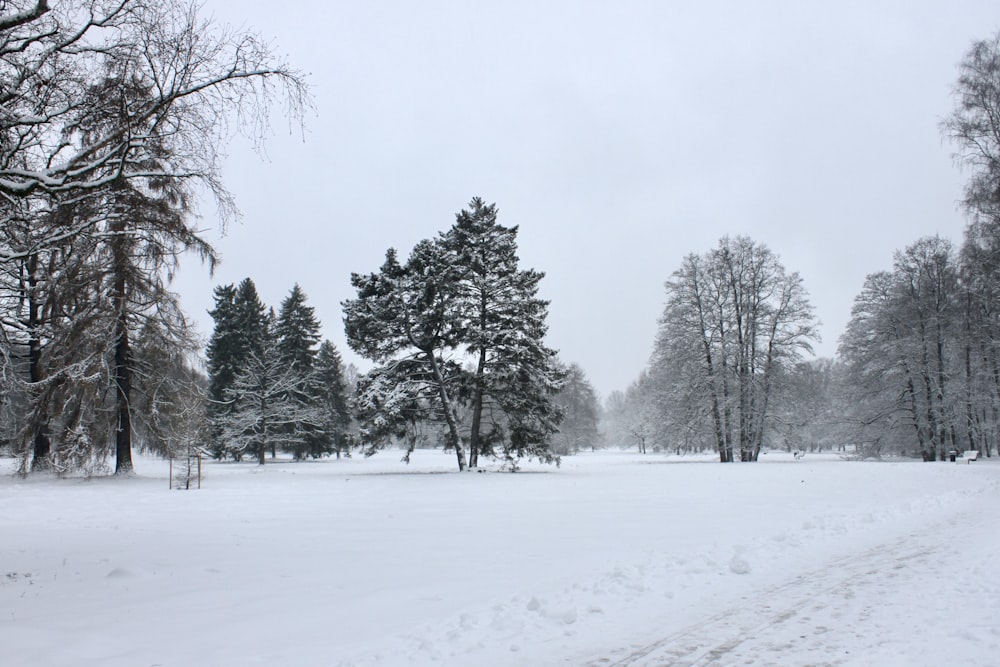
pixel 112 119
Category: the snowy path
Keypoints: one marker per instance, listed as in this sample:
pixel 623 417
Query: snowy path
pixel 868 609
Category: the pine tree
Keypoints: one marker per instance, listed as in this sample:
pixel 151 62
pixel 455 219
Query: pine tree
pixel 460 297
pixel 514 371
pixel 406 318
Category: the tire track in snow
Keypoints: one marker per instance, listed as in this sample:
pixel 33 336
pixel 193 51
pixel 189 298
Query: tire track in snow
pixel 712 639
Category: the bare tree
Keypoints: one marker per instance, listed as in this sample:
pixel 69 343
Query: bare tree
pixel 974 128
pixel 111 113
pixel 581 413
pixel 203 81
pixel 733 320
pixel 909 352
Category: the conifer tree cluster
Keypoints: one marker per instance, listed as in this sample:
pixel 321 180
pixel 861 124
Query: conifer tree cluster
pixel 272 386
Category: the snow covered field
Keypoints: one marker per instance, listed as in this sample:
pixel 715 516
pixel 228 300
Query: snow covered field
pixel 612 559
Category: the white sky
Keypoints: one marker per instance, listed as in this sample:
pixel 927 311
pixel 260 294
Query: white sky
pixel 619 136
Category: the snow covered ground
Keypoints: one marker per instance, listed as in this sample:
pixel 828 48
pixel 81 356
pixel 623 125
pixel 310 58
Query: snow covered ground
pixel 612 559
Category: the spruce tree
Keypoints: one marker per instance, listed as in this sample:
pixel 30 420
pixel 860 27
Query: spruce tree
pixel 297 330
pixel 265 415
pixel 251 319
pixel 239 333
pixel 297 335
pixel 222 353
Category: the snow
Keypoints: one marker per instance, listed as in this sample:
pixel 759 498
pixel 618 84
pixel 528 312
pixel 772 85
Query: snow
pixel 612 559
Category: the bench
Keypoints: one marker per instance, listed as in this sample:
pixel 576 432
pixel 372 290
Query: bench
pixel 971 455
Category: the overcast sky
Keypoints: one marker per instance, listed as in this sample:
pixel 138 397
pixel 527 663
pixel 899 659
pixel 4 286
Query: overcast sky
pixel 620 136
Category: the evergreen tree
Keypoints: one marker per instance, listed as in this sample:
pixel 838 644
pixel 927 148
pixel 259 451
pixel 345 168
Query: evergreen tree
pixel 251 319
pixel 297 331
pixel 264 414
pixel 334 403
pixel 407 319
pixel 239 333
pixel 514 372
pixel 222 353
pixel 461 297
pixel 297 334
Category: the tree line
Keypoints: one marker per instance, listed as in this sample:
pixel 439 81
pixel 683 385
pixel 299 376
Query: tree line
pixel 918 367
pixel 112 116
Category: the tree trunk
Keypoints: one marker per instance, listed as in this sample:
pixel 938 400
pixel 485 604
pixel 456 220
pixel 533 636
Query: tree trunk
pixel 972 425
pixel 449 415
pixel 727 410
pixel 910 390
pixel 477 412
pixel 720 440
pixel 41 442
pixel 123 392
pixel 123 368
pixel 262 445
